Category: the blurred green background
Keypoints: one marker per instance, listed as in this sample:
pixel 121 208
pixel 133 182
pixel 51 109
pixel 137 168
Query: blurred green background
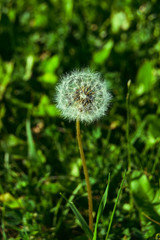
pixel 39 158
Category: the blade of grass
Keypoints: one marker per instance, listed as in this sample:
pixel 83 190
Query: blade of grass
pixel 31 146
pixel 82 222
pixel 3 232
pixel 2 223
pixel 101 208
pixel 24 235
pixel 71 198
pixel 115 205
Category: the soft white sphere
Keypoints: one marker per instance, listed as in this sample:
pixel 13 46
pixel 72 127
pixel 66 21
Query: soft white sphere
pixel 83 95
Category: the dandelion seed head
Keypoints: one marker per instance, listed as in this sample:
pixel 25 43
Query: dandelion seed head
pixel 83 95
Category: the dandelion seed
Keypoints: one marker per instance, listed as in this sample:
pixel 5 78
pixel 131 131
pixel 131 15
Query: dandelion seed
pixel 82 95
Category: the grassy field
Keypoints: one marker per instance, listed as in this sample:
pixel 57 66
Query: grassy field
pixel 39 156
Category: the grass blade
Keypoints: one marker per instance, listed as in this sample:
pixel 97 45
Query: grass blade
pixel 82 222
pixel 71 198
pixel 24 235
pixel 31 146
pixel 115 205
pixel 101 208
pixel 3 232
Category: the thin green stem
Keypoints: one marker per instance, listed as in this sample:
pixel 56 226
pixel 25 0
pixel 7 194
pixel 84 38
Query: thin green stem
pixel 129 144
pixel 115 205
pixel 90 202
pixel 128 125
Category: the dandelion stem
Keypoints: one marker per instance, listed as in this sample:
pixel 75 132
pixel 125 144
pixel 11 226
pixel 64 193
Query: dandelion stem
pixel 90 202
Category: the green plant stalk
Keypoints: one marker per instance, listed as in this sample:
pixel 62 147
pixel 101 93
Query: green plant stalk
pixel 90 202
pixel 101 208
pixel 151 219
pixel 128 126
pixel 115 205
pixel 2 224
pixel 128 143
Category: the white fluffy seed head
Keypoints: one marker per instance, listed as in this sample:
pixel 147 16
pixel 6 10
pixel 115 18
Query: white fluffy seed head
pixel 83 95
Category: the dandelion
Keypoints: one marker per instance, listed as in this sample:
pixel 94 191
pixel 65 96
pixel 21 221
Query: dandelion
pixel 83 96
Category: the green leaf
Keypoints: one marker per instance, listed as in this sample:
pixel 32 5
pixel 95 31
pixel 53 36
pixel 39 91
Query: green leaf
pixel 145 79
pixel 13 141
pixel 80 218
pixel 100 56
pixel 53 188
pixel 50 65
pixel 147 202
pixel 45 108
pixel 6 197
pixel 97 133
pixel 6 70
pixel 145 196
pixel 24 234
pixel 11 201
pixel 48 68
pixel 101 208
pixel 29 66
pixel 2 114
pixel 154 125
pixel 115 205
pixel 48 78
pixel 119 21
pixel 31 146
pixel 68 4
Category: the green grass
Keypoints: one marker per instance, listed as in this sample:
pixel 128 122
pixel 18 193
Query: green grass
pixel 39 158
